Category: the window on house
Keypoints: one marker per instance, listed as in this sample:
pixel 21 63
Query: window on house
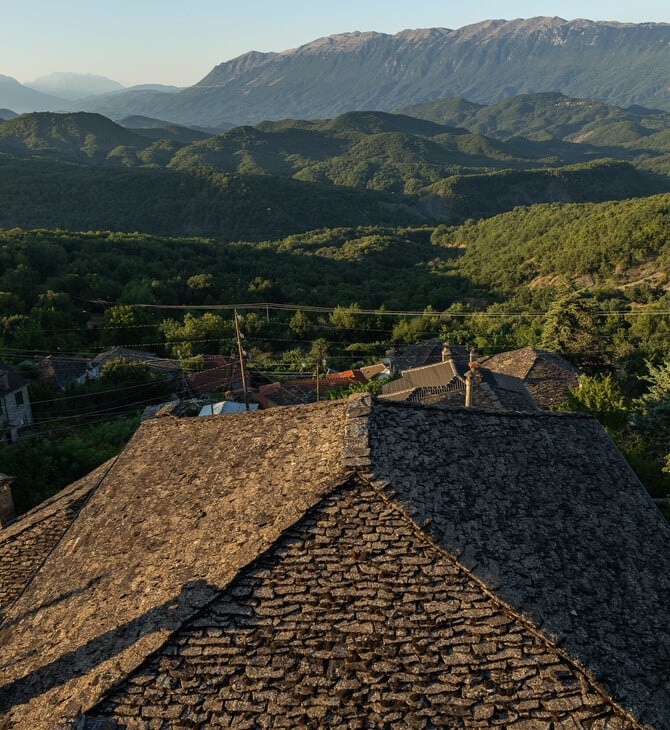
pixel 18 398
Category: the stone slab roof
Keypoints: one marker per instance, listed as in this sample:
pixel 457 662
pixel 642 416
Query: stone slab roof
pixel 188 503
pixel 352 563
pixel 354 618
pixel 543 509
pixel 443 385
pixel 61 372
pixel 26 543
pixel 546 375
pixel 438 374
pixel 419 355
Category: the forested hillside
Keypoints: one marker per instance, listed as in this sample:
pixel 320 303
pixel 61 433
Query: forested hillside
pixel 84 172
pixel 611 244
pixel 336 239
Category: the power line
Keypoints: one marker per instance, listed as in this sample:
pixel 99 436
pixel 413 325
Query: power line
pixel 445 314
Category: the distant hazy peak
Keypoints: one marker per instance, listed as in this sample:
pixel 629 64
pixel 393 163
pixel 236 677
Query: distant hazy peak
pixel 69 85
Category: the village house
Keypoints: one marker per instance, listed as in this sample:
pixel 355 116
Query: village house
pixel 157 366
pixel 218 374
pixel 546 375
pixel 305 390
pixel 343 564
pixel 15 411
pixel 63 372
pixel 520 380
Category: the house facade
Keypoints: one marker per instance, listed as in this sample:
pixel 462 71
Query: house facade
pixel 15 410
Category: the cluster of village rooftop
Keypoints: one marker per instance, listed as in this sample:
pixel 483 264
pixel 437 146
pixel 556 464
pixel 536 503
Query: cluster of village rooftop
pixel 431 372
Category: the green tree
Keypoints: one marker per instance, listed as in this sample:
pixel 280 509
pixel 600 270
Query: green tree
pixel 126 325
pixel 601 396
pixel 300 325
pixel 197 335
pixel 570 326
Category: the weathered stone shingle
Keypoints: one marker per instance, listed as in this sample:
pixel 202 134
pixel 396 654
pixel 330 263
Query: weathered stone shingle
pixel 351 564
pixel 310 640
pixel 25 544
pixel 186 505
pixel 543 509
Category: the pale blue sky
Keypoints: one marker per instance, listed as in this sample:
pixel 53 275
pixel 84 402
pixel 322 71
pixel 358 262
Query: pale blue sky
pixel 162 41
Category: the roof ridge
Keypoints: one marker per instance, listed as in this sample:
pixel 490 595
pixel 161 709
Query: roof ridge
pixel 534 415
pixel 51 506
pixel 58 542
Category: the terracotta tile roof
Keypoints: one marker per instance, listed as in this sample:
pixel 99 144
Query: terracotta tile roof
pixel 352 563
pixel 303 390
pixel 219 373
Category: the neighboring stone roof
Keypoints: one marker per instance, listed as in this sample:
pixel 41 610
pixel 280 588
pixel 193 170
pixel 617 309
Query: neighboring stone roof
pixel 157 365
pixel 345 564
pixel 418 355
pixel 61 372
pixel 372 371
pixel 429 376
pixel 26 542
pixel 546 375
pixel 443 384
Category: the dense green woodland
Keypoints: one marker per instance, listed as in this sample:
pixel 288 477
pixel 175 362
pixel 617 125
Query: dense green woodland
pixel 375 212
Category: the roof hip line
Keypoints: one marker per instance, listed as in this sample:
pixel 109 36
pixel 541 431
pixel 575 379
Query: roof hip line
pixel 378 487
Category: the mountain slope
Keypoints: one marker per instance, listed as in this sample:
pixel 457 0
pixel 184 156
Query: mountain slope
pixel 547 115
pixel 80 137
pixel 618 63
pixel 617 242
pixel 21 99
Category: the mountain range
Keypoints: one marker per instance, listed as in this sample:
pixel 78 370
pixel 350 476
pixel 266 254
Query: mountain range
pixel 620 64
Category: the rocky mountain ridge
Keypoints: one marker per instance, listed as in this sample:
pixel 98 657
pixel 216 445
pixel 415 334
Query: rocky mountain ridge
pixel 620 64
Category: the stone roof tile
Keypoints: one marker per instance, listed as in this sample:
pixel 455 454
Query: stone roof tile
pixel 185 506
pixel 544 510
pixel 255 568
pixel 303 635
pixel 25 544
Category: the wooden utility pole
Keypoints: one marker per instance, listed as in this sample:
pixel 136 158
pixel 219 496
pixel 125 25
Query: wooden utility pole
pixel 317 381
pixel 241 354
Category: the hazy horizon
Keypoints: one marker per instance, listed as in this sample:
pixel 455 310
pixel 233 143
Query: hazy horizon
pixel 154 42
